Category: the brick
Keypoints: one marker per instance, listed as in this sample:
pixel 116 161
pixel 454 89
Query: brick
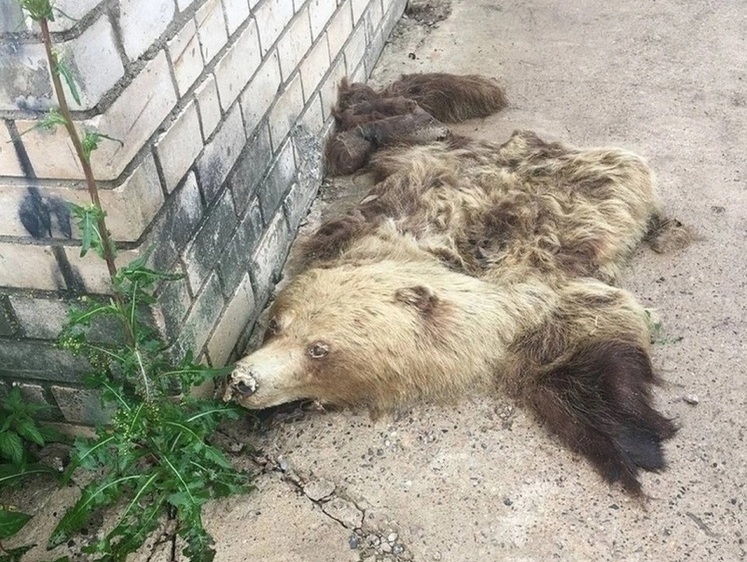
pixel 9 165
pixel 24 77
pixel 29 267
pixel 373 51
pixel 250 168
pixel 201 319
pixel 211 28
pixel 68 12
pixel 92 270
pixel 314 66
pixel 239 312
pixel 7 322
pixel 293 44
pixel 235 68
pixel 179 146
pixel 203 252
pixel 132 118
pixel 237 12
pixel 312 117
pixel 355 49
pixel 40 143
pixel 81 406
pixel 40 361
pixel 359 6
pixel 174 301
pixel 310 165
pixel 286 110
pixel 220 153
pixel 34 393
pixel 260 93
pixel 272 16
pixel 320 12
pixel 186 56
pixel 339 29
pixel 275 185
pixel 141 22
pixel 130 207
pixel 268 259
pixel 184 4
pixel 95 63
pixel 234 261
pixel 209 106
pixel 40 318
pixel 328 91
pixel 11 17
pixel 176 224
pixel 373 18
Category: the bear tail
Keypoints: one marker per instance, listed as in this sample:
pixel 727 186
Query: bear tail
pixel 667 234
pixel 451 98
pixel 599 403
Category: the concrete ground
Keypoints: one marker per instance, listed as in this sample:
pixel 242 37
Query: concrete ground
pixel 481 480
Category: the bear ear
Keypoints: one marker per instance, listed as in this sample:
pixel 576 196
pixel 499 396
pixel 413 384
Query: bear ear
pixel 421 297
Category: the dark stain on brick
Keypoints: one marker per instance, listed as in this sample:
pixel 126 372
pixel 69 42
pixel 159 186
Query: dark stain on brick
pixel 39 215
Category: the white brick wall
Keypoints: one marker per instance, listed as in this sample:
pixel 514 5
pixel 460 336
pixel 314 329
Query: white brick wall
pixel 209 106
pixel 320 12
pixel 273 16
pixel 179 146
pixel 186 56
pixel 294 44
pixel 211 28
pixel 141 22
pixel 285 111
pixel 339 29
pixel 29 267
pixel 238 313
pixel 235 68
pixel 96 61
pixel 315 65
pixel 133 117
pixel 261 92
pixel 237 12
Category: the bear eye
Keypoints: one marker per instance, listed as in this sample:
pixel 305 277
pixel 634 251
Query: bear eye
pixel 273 327
pixel 318 350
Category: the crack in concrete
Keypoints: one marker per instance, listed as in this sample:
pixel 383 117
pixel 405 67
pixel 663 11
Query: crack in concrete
pixel 370 541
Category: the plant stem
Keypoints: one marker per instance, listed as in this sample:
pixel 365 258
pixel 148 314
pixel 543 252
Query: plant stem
pixel 75 138
pixel 93 190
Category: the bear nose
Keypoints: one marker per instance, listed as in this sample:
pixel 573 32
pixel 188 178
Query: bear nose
pixel 244 389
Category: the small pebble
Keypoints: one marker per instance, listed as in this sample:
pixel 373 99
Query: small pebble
pixel 354 542
pixel 392 537
pixel 691 399
pixel 436 556
pixel 386 547
pixel 398 549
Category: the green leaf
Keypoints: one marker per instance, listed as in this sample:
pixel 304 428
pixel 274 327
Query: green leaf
pixel 27 429
pixel 16 554
pixel 64 70
pixel 38 9
pixel 11 446
pixel 11 472
pixel 11 522
pixel 93 497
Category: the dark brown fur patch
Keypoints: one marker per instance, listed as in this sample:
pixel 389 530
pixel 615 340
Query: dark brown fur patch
pixel 420 297
pixel 666 235
pixel 451 98
pixel 332 237
pixel 599 404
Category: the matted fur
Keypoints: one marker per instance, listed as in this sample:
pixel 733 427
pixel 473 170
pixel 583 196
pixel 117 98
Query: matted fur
pixel 412 110
pixel 470 266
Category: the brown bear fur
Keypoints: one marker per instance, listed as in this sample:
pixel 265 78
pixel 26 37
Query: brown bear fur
pixel 471 266
pixel 412 110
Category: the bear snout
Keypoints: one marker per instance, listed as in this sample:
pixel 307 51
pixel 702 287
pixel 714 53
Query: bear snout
pixel 240 384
